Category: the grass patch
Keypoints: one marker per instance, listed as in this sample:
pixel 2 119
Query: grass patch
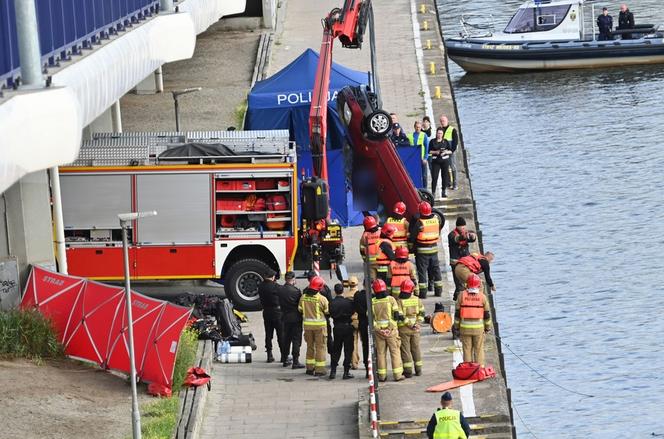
pixel 27 334
pixel 239 113
pixel 159 417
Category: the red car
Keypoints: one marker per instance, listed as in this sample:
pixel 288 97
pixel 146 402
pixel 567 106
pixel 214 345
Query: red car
pixel 368 127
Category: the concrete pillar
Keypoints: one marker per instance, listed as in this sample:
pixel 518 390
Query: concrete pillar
pixel 28 220
pixel 116 117
pixel 270 14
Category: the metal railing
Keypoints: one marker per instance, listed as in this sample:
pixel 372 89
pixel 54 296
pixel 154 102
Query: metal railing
pixel 66 28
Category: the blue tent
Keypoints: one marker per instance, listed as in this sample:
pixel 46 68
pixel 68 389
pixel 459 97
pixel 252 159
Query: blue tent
pixel 283 101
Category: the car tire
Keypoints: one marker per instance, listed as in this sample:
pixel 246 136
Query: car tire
pixel 426 195
pixel 241 283
pixel 439 214
pixel 378 124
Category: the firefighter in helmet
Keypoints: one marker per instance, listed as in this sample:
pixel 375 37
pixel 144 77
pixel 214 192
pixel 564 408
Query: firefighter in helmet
pixel 472 319
pixel 409 328
pixel 401 269
pixel 369 239
pixel 398 220
pixel 386 313
pixel 425 236
pixel 385 254
pixel 314 308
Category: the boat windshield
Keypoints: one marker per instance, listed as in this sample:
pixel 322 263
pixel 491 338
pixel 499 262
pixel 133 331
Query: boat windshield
pixel 536 19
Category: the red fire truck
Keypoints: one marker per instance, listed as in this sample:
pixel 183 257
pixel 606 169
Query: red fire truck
pixel 226 204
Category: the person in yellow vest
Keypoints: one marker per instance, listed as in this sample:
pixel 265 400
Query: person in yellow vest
pixel 472 319
pixel 409 329
pixel 385 316
pixel 400 269
pixel 425 235
pixel 380 268
pixel 474 263
pixel 419 139
pixel 447 423
pixel 353 281
pixel 398 220
pixel 314 307
pixel 369 239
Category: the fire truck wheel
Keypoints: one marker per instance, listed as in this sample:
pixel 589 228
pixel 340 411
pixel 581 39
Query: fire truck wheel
pixel 241 283
pixel 378 124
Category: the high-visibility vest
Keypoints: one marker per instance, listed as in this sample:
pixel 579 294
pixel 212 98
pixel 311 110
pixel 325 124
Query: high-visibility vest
pixel 383 312
pixel 401 224
pixel 413 311
pixel 382 258
pixel 430 232
pixel 472 262
pixel 471 310
pixel 313 309
pixel 448 134
pixel 420 142
pixel 369 244
pixel 400 272
pixel 448 425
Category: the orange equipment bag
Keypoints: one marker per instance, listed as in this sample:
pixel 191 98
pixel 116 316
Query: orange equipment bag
pixel 197 376
pixel 473 371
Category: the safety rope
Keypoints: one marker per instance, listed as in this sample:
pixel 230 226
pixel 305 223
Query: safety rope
pixel 539 373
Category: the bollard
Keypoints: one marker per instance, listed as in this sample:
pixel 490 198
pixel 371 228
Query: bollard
pixel 423 8
pixel 425 25
pixel 428 44
pixel 438 93
pixel 432 68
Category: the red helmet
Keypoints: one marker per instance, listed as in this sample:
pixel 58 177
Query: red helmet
pixel 316 283
pixel 424 208
pixel 399 207
pixel 407 286
pixel 401 253
pixel 388 230
pixel 369 222
pixel 473 282
pixel 379 286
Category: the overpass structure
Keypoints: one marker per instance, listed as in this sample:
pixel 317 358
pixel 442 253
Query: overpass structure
pixel 64 65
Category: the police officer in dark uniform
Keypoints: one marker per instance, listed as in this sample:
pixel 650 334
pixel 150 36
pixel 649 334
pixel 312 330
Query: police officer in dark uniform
pixel 289 298
pixel 325 292
pixel 605 24
pixel 360 302
pixel 341 311
pixel 269 297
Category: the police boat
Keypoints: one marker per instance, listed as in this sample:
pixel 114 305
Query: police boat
pixel 551 35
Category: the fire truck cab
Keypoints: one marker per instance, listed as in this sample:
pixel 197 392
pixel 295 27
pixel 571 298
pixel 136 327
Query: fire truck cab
pixel 226 207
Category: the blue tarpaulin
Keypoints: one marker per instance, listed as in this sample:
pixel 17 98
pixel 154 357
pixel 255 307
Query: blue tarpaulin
pixel 283 101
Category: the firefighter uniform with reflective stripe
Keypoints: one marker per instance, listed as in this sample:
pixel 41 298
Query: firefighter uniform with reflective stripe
pixel 314 308
pixel 387 335
pixel 474 263
pixel 472 317
pixel 381 266
pixel 425 235
pixel 400 270
pixel 369 245
pixel 448 424
pixel 400 237
pixel 409 333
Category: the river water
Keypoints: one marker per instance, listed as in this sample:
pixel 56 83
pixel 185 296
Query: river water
pixel 568 174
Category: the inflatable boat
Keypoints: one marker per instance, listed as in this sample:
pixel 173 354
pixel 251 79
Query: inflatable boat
pixel 552 35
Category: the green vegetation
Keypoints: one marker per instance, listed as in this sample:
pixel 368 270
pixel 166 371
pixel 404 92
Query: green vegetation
pixel 240 111
pixel 159 418
pixel 27 334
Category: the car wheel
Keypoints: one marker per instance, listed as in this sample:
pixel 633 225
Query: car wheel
pixel 378 124
pixel 426 195
pixel 241 283
pixel 439 214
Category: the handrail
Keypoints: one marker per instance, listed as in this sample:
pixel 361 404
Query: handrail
pixel 66 28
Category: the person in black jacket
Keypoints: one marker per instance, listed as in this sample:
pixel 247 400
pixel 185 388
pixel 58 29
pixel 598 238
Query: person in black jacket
pixel 341 311
pixel 440 151
pixel 268 295
pixel 289 298
pixel 325 292
pixel 360 302
pixel 398 137
pixel 605 24
pixel 625 21
pixel 458 241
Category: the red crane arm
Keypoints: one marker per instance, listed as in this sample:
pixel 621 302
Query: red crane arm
pixel 347 24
